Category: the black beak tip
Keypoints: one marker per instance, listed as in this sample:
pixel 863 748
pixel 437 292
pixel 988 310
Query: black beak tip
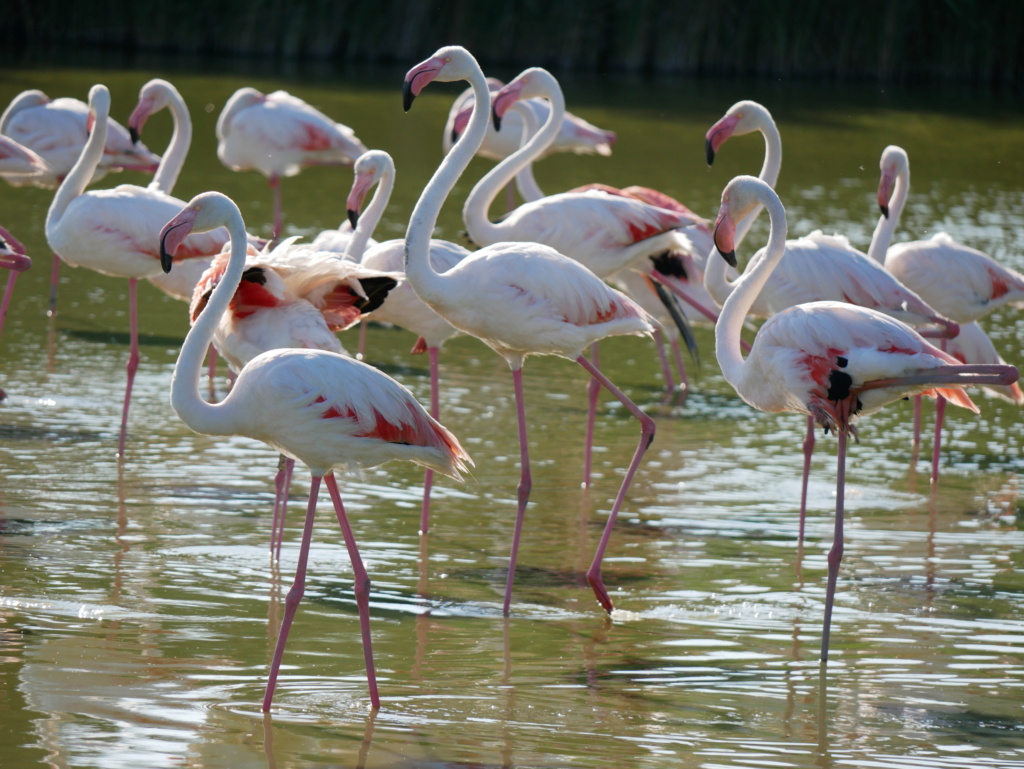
pixel 885 211
pixel 407 95
pixel 353 217
pixel 134 134
pixel 455 136
pixel 730 258
pixel 709 152
pixel 165 258
pixel 496 119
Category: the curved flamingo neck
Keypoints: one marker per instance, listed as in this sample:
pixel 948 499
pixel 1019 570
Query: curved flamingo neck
pixel 526 183
pixel 167 173
pixel 427 283
pixel 201 416
pixel 882 237
pixel 770 169
pixel 716 279
pixel 479 201
pixel 746 289
pixel 371 216
pixel 81 173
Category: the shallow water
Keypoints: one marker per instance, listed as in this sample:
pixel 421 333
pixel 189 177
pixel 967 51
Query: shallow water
pixel 139 607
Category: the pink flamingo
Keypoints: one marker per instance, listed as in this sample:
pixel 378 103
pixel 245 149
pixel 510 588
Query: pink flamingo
pixel 326 410
pixel 278 135
pixel 520 298
pixel 292 296
pixel 19 165
pixel 816 267
pixel 959 281
pixel 114 231
pixel 56 130
pixel 829 360
pixel 402 307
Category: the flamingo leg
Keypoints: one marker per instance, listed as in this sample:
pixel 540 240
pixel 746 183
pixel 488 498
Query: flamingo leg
pixel 8 292
pixel 593 391
pixel 275 187
pixel 280 507
pixel 435 412
pixel 917 420
pixel 666 372
pixel 281 510
pixel 940 413
pixel 54 278
pixel 646 436
pixel 808 450
pixel 525 484
pixel 835 555
pixel 291 601
pixel 133 361
pixel 361 587
pixel 684 379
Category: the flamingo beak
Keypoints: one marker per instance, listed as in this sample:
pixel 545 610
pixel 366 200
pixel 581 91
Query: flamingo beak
pixel 725 234
pixel 717 136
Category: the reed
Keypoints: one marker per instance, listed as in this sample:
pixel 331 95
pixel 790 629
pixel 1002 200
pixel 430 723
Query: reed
pixel 905 41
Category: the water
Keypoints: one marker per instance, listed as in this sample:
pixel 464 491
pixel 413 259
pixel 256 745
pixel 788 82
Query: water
pixel 139 608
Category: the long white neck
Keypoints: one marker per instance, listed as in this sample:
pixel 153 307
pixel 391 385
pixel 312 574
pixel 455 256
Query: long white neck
pixel 166 175
pixel 526 183
pixel 81 173
pixel 474 212
pixel 746 289
pixel 716 280
pixel 370 217
pixel 882 237
pixel 427 283
pixel 203 417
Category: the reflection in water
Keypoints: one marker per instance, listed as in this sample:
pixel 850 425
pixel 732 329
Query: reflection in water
pixel 139 614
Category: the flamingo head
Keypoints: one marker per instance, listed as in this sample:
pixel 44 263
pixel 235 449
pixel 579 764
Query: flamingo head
pixel 154 96
pixel 453 62
pixel 12 253
pixel 743 117
pixel 530 83
pixel 369 169
pixel 739 198
pixel 206 211
pixel 894 162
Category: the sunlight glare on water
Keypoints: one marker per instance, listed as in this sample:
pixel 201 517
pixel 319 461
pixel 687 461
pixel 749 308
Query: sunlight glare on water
pixel 139 607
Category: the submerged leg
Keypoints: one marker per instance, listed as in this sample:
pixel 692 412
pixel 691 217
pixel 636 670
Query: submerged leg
pixel 646 436
pixel 291 602
pixel 525 484
pixel 54 280
pixel 361 587
pixel 133 361
pixel 282 484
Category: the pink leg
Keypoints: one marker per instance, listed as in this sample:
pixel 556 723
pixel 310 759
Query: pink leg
pixel 54 278
pixel 666 372
pixel 808 450
pixel 593 391
pixel 646 436
pixel 835 555
pixel 282 485
pixel 361 587
pixel 133 362
pixel 291 602
pixel 525 484
pixel 917 420
pixel 940 413
pixel 275 186
pixel 11 280
pixel 435 412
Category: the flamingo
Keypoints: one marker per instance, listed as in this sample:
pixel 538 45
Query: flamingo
pixel 574 135
pixel 816 267
pixel 832 361
pixel 324 409
pixel 520 298
pixel 291 296
pixel 957 280
pixel 403 307
pixel 114 231
pixel 56 129
pixel 19 165
pixel 279 134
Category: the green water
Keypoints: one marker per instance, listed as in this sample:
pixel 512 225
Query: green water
pixel 138 606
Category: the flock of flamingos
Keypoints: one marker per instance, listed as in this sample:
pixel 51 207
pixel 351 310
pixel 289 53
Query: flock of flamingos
pixel 846 332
